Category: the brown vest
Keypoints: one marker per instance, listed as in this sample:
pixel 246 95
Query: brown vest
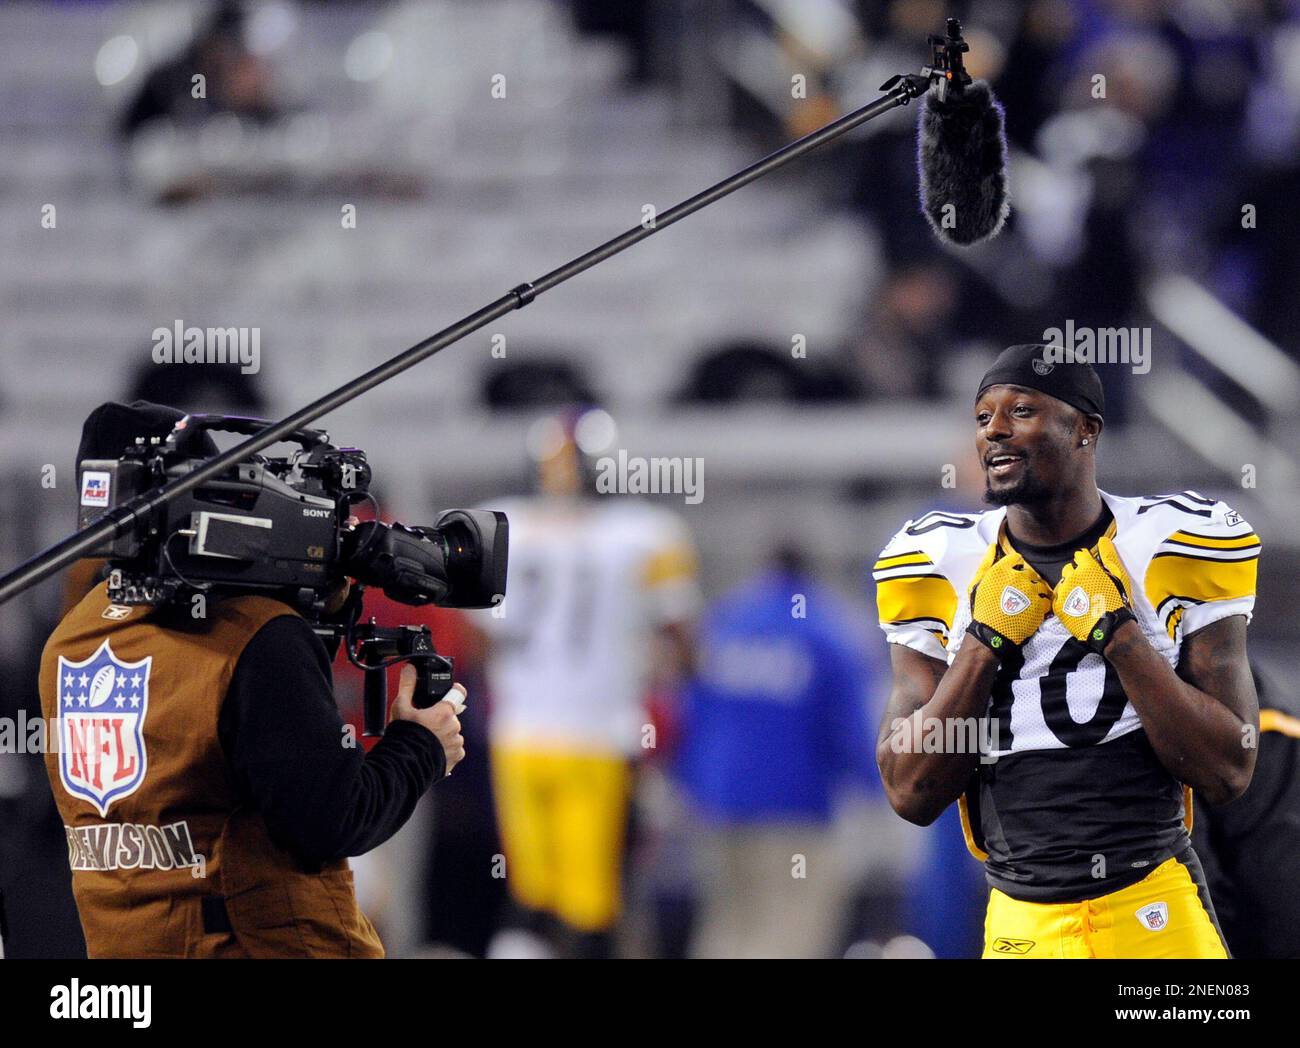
pixel 156 832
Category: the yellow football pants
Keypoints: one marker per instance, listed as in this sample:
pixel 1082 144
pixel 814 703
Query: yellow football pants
pixel 1160 916
pixel 563 819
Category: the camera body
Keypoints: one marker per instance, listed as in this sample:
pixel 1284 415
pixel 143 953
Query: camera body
pixel 281 526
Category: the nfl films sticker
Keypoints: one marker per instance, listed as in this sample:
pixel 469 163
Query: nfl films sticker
pixel 95 488
pixel 1153 916
pixel 102 705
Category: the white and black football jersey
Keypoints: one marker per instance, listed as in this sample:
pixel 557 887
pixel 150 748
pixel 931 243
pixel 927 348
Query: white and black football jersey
pixel 590 582
pixel 1072 801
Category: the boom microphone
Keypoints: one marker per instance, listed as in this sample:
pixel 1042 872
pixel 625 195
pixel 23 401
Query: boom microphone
pixel 962 155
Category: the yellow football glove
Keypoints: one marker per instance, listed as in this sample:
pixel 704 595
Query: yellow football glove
pixel 1008 602
pixel 1092 600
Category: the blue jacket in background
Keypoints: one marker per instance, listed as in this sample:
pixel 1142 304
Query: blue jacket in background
pixel 780 714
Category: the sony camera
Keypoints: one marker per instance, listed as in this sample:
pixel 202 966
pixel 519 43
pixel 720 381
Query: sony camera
pixel 284 525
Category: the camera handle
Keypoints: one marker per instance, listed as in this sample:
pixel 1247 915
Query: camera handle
pixel 248 427
pixel 378 648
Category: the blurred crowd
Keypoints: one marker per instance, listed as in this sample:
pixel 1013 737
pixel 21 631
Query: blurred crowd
pixel 1146 138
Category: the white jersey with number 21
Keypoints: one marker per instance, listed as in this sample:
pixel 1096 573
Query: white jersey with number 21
pixel 590 581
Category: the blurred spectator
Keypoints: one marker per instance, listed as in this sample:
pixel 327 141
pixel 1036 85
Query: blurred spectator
pixel 234 80
pixel 775 723
pixel 1258 271
pixel 947 894
pixel 909 332
pixel 1029 88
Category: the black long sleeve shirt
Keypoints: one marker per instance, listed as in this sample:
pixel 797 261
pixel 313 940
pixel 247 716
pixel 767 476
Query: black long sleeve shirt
pixel 284 740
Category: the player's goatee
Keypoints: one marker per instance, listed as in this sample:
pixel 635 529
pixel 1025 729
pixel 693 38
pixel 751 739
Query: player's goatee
pixel 1025 491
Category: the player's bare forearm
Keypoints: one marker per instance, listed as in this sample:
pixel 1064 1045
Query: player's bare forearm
pixel 1202 720
pixel 921 785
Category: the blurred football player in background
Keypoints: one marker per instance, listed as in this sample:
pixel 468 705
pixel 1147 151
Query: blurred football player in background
pixel 601 593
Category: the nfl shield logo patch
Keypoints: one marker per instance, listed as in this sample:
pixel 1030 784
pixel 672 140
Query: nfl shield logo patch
pixel 1013 601
pixel 1077 603
pixel 102 705
pixel 1153 916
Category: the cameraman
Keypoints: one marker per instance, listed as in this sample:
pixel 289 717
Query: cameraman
pixel 209 790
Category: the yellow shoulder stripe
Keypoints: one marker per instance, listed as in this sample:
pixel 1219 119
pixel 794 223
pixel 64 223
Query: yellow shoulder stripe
pixel 1187 538
pixel 1198 579
pixel 912 597
pixel 669 565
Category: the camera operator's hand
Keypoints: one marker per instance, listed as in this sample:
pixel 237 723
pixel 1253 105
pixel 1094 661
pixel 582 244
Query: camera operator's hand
pixel 440 718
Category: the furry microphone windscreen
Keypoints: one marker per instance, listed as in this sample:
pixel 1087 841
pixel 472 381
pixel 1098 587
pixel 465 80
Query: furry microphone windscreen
pixel 962 154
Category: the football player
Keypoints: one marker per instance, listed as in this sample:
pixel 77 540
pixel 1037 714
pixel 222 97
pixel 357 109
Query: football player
pixel 1065 665
pixel 600 595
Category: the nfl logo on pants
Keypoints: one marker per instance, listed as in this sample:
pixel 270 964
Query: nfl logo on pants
pixel 1153 916
pixel 102 706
